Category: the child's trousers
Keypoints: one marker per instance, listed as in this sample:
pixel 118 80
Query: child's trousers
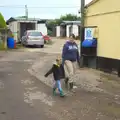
pixel 58 85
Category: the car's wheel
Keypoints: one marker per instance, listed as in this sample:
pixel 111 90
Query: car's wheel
pixel 42 46
pixel 22 44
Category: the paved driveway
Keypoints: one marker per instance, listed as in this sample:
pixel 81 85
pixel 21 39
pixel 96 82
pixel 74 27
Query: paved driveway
pixel 26 95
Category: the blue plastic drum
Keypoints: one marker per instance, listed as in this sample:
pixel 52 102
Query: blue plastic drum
pixel 10 42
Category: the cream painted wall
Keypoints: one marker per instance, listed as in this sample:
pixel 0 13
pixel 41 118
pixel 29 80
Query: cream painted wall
pixel 108 26
pixel 103 6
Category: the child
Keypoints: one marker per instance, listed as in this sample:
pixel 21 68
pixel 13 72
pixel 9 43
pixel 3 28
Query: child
pixel 58 74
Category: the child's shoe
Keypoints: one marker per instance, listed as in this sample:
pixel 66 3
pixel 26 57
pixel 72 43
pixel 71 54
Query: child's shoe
pixel 61 94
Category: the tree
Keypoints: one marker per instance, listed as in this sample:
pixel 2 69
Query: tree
pixel 69 17
pixel 2 21
pixel 58 21
pixel 50 24
pixel 21 17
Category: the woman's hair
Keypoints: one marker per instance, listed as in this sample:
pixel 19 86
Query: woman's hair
pixel 73 36
pixel 58 58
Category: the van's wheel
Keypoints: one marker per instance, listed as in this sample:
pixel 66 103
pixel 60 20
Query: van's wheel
pixel 42 46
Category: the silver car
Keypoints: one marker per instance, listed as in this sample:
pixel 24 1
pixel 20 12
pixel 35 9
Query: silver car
pixel 32 37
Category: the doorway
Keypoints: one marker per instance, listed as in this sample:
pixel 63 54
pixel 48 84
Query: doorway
pixel 26 26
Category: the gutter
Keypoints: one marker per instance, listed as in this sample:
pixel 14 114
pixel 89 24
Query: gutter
pixel 91 3
pixel 104 13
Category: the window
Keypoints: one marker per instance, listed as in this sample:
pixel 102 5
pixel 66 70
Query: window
pixel 35 34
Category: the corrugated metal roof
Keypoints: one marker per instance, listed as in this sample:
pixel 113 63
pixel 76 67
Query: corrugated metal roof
pixel 23 18
pixel 71 22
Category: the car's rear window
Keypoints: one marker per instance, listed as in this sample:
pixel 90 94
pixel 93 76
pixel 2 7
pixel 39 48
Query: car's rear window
pixel 35 34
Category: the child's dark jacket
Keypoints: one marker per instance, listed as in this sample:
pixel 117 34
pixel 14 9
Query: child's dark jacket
pixel 58 72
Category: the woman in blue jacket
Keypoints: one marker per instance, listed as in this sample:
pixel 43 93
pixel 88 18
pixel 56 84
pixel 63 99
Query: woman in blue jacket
pixel 70 56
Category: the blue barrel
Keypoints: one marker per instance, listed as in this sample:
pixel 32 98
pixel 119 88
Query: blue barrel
pixel 10 42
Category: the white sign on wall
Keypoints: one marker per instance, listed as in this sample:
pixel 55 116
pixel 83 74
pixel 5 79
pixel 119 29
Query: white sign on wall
pixel 89 33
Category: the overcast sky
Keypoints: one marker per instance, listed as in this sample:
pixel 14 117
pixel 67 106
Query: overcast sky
pixel 16 8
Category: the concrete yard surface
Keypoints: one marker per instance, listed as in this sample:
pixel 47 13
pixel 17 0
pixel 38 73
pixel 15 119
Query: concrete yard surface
pixel 25 94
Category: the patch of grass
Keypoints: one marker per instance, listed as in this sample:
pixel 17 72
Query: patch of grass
pixel 19 46
pixel 2 47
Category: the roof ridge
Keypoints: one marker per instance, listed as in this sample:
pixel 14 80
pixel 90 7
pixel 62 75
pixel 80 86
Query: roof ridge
pixel 91 3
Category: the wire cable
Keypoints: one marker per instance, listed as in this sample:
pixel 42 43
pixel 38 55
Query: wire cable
pixel 35 7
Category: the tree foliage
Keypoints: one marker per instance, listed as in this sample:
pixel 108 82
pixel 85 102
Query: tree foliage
pixel 21 17
pixel 2 21
pixel 68 17
pixel 50 25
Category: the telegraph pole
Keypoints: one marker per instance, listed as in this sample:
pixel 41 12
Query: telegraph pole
pixel 26 12
pixel 82 28
pixel 82 20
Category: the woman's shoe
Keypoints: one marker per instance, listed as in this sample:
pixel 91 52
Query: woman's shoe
pixel 71 87
pixel 66 82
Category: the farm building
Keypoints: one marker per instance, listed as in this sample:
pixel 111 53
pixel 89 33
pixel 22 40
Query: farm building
pixel 19 25
pixel 68 27
pixel 102 24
